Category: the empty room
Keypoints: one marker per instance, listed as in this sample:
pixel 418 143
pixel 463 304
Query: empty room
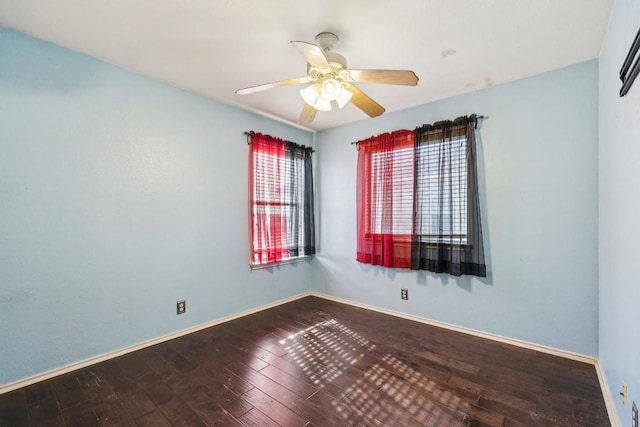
pixel 319 213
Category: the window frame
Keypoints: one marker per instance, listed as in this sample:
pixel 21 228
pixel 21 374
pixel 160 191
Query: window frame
pixel 294 177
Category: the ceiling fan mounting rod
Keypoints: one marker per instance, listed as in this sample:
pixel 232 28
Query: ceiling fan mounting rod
pixel 326 40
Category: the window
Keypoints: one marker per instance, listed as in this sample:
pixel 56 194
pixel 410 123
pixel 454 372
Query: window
pixel 417 199
pixel 441 222
pixel 281 201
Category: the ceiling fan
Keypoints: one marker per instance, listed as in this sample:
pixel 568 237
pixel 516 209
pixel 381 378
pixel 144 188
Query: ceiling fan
pixel 333 81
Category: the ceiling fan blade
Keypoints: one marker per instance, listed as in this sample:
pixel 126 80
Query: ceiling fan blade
pixel 364 102
pixel 307 115
pixel 260 88
pixel 312 53
pixel 391 77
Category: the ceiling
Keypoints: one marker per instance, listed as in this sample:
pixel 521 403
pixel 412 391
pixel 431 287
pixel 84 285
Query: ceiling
pixel 213 47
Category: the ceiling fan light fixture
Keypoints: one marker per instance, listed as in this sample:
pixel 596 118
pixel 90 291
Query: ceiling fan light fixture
pixel 323 104
pixel 312 95
pixel 331 89
pixel 344 98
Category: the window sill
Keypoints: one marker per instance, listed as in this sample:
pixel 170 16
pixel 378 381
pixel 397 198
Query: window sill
pixel 279 263
pixel 404 240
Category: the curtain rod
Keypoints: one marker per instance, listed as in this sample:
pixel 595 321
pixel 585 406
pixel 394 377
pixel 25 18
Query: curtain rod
pixel 248 135
pixel 477 118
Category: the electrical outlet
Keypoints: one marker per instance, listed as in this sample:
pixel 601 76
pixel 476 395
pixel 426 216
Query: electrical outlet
pixel 623 393
pixel 181 307
pixel 404 294
pixel 634 415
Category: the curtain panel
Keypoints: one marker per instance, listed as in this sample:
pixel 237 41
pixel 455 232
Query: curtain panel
pixel 447 230
pixel 384 199
pixel 417 199
pixel 281 200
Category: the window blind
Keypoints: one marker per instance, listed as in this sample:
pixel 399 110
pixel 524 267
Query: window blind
pixel 396 176
pixel 441 191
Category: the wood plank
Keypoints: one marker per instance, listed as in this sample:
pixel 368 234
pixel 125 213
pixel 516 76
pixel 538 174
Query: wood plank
pixel 233 404
pixel 277 411
pixel 179 413
pixel 103 399
pixel 283 395
pixel 154 419
pixel 13 409
pixel 255 418
pixel 218 381
pixel 68 390
pixel 42 405
pixel 73 402
pixel 138 404
pixel 301 388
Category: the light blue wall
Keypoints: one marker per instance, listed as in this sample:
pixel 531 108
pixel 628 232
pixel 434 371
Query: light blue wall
pixel 619 156
pixel 538 184
pixel 119 195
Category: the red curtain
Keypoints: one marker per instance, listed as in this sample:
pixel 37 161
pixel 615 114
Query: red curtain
pixel 268 221
pixel 385 199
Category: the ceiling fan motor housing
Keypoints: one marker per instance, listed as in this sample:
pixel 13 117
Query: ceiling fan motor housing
pixel 337 61
pixel 337 68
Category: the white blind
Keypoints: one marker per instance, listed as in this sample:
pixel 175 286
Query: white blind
pixel 441 189
pixel 277 192
pixel 392 191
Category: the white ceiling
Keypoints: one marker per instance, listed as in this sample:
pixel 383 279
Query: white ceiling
pixel 214 47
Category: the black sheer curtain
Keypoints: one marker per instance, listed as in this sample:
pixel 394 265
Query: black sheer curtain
pixel 447 231
pixel 309 238
pixel 301 233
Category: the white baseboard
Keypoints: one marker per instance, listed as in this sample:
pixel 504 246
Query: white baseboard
pixel 604 386
pixel 6 388
pixel 608 397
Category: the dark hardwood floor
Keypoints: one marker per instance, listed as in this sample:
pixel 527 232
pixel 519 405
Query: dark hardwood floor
pixel 314 362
